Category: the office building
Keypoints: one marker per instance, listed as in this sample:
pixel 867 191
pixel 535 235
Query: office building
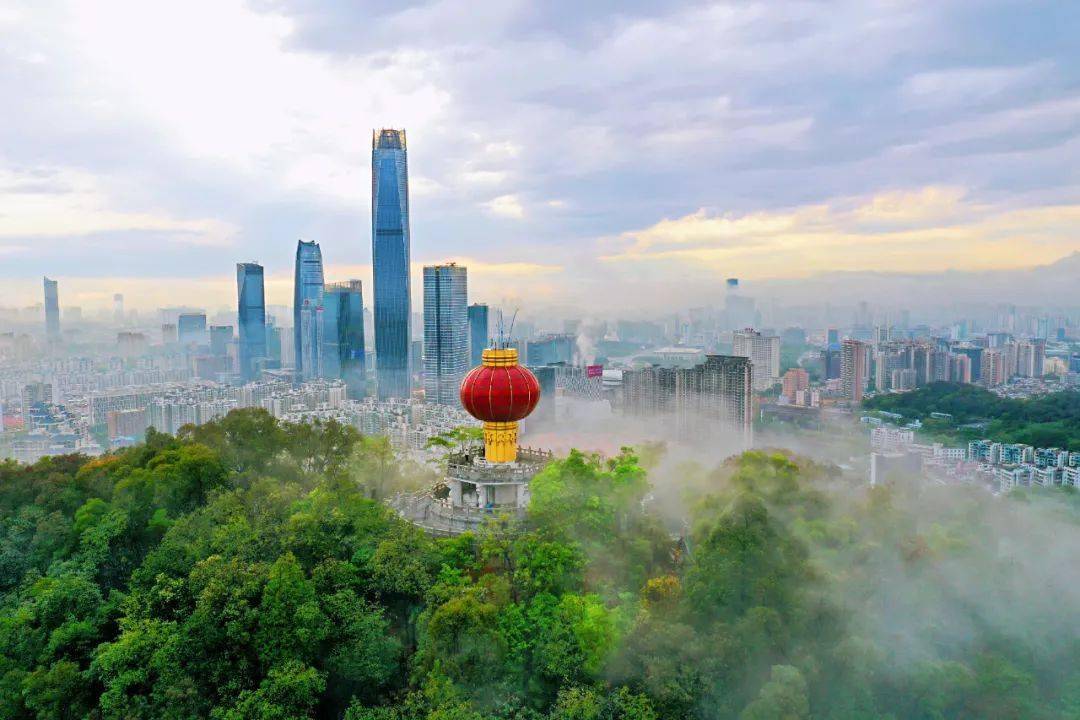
pixel 191 329
pixel 118 309
pixel 853 364
pixel 446 332
pixel 307 309
pixel 343 336
pixel 390 262
pixel 251 319
pixel 479 333
pixel 52 310
pixel 764 354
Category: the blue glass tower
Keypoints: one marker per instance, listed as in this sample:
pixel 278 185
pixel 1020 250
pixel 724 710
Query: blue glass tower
pixel 446 332
pixel 251 318
pixel 343 336
pixel 390 261
pixel 478 333
pixel 307 305
pixel 52 310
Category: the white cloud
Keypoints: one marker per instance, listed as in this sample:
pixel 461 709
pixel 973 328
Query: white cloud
pixel 58 202
pixel 508 206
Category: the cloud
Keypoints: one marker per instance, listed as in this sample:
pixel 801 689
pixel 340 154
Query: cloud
pixel 925 230
pixel 507 206
pixel 57 202
pixel 965 86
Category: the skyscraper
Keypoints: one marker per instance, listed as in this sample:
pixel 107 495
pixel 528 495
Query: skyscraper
pixel 478 333
pixel 307 309
pixel 118 308
pixel 853 364
pixel 343 336
pixel 52 310
pixel 446 332
pixel 390 261
pixel 251 318
pixel 764 354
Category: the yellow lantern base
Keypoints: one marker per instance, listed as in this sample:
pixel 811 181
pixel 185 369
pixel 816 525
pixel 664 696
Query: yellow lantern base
pixel 500 441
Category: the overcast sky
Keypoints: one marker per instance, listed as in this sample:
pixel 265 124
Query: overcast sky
pixel 602 152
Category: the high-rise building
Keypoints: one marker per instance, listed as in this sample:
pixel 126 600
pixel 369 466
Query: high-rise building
pixel 191 329
pixel 307 309
pixel 118 308
pixel 714 399
pixel 960 368
pixel 390 261
pixel 251 318
pixel 52 310
pixel 343 336
pixel 446 332
pixel 220 337
pixel 169 334
pixel 764 354
pixel 550 349
pixel 478 333
pixel 993 371
pixel 853 363
pixel 1031 358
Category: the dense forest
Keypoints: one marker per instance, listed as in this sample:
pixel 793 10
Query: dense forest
pixel 1045 421
pixel 247 569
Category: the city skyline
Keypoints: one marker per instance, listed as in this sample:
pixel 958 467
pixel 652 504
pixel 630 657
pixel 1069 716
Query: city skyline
pixel 833 165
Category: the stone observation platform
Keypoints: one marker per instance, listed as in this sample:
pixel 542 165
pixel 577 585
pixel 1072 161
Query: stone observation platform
pixel 473 492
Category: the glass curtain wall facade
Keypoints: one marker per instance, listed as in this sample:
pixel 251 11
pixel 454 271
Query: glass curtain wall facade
pixel 390 261
pixel 251 318
pixel 343 336
pixel 307 309
pixel 52 310
pixel 446 332
pixel 478 333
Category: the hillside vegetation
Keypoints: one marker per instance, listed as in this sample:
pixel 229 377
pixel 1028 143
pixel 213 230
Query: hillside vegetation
pixel 1046 421
pixel 248 570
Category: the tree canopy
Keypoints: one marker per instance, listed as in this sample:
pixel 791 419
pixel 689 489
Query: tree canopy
pixel 247 569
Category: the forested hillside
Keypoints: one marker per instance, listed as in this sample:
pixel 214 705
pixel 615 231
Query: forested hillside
pixel 1045 421
pixel 248 570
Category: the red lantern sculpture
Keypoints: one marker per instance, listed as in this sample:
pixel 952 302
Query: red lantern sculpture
pixel 500 392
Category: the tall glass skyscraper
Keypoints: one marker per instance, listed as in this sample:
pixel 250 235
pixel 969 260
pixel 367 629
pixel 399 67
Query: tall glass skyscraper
pixel 446 332
pixel 390 261
pixel 251 318
pixel 478 333
pixel 343 336
pixel 52 310
pixel 307 309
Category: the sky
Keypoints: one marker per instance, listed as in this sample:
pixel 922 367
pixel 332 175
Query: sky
pixel 612 155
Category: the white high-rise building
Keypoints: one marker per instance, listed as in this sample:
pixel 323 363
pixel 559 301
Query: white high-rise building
pixel 764 354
